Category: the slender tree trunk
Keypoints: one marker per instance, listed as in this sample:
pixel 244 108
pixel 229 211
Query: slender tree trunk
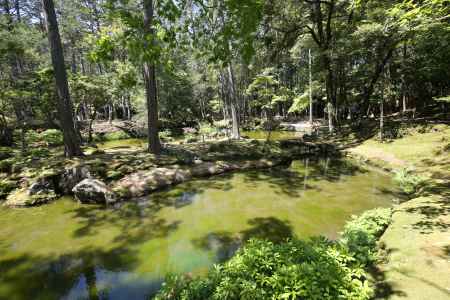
pixel 330 117
pixel 17 7
pixel 64 104
pixel 310 90
pixel 235 134
pixel 154 144
pixel 404 77
pixel 91 122
pixel 382 114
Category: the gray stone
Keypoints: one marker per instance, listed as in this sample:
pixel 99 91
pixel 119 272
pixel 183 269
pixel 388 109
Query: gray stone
pixel 71 177
pixel 93 191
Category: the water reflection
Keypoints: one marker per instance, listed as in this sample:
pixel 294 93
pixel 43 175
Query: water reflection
pixel 99 284
pixel 69 251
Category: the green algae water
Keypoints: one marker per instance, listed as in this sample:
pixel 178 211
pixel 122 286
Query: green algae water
pixel 276 135
pixel 65 250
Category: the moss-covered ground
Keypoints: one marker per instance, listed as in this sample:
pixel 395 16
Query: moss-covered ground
pixel 417 244
pixel 112 160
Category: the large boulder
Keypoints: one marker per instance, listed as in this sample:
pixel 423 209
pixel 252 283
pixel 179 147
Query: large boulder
pixel 142 183
pixel 93 191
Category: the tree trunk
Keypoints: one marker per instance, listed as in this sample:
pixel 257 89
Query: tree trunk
pixel 310 90
pixel 382 115
pixel 17 7
pixel 403 77
pixel 91 122
pixel 235 134
pixel 64 104
pixel 154 145
pixel 330 117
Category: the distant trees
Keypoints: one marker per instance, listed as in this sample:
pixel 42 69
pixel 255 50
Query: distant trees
pixel 199 60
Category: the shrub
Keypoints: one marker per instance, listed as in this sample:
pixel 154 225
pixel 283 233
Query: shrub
pixel 52 137
pixel 116 135
pixel 360 235
pixel 409 182
pixel 6 186
pixel 315 269
pixel 39 152
pixel 166 135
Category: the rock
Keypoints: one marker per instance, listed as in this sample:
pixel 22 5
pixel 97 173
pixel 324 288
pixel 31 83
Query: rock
pixel 71 177
pixel 41 186
pixel 144 182
pixel 93 191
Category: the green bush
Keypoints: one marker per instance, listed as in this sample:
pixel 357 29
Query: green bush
pixel 166 135
pixel 116 135
pixel 39 152
pixel 360 235
pixel 6 186
pixel 409 182
pixel 31 136
pixel 315 269
pixel 52 137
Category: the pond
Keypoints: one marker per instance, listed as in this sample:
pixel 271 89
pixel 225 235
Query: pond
pixel 70 251
pixel 275 135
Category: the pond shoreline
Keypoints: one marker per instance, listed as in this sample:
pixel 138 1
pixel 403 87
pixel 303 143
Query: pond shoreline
pixel 134 173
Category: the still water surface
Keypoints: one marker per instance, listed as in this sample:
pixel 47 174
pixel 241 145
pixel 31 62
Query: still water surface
pixel 70 251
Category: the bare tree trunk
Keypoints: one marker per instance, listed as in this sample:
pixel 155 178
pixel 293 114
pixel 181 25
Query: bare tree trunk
pixel 17 7
pixel 154 144
pixel 91 122
pixel 404 77
pixel 382 113
pixel 330 117
pixel 235 134
pixel 310 90
pixel 64 104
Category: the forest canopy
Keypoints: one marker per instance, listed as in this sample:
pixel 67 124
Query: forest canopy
pixel 189 62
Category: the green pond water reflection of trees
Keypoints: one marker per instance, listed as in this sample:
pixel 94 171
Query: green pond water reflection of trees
pixel 69 251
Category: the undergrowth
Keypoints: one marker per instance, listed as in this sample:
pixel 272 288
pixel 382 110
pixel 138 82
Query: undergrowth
pixel 296 269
